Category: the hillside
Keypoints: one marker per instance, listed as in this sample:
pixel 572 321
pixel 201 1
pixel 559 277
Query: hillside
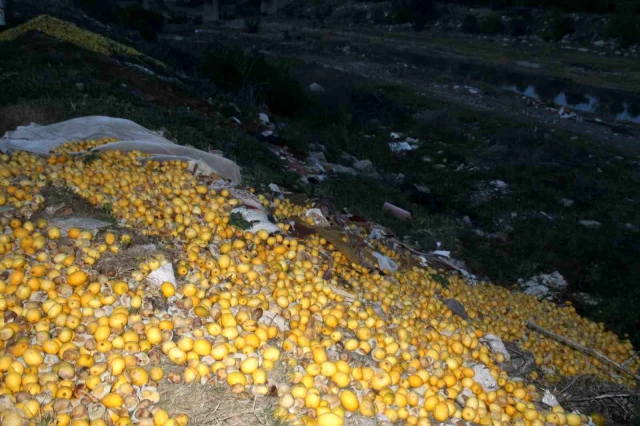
pixel 302 323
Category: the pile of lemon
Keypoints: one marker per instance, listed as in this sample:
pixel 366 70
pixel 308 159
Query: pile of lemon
pixel 68 32
pixel 85 348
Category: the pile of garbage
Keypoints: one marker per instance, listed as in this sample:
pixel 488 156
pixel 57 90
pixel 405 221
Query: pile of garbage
pixel 367 326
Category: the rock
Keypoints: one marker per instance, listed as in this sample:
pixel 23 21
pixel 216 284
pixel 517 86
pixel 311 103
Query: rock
pixel 554 280
pixel 347 159
pixel 316 88
pixel 537 291
pixel 589 223
pixel 363 165
pixel 586 300
pixel 342 170
pixel 317 158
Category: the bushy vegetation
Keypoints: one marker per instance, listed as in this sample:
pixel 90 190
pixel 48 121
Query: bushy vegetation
pixel 625 25
pixel 558 25
pixel 491 24
pixel 257 81
pixel 418 12
pixel 148 23
pixel 588 6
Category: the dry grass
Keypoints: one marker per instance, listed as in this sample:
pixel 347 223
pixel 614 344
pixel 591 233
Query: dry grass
pixel 589 395
pixel 213 404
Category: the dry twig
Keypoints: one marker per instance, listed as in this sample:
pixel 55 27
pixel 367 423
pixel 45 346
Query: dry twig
pixel 590 351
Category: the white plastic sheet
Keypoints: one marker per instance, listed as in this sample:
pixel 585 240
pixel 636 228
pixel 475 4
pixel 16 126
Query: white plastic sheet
pixel 131 137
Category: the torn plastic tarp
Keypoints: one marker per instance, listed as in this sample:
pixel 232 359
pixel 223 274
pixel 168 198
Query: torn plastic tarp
pixel 258 220
pixel 131 136
pixel 385 263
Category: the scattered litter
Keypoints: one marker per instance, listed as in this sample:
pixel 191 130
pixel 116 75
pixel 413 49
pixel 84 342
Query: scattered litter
pixel 318 217
pixel 496 345
pixel 162 274
pixel 258 220
pixel 247 198
pixel 385 263
pixel 264 118
pixel 549 399
pixel 376 234
pixel 396 211
pixel 395 135
pixel 589 223
pixel 567 114
pixel 484 377
pixel 400 146
pixel 443 253
pixel 266 133
pixel 80 222
pixel 275 188
pixel 236 119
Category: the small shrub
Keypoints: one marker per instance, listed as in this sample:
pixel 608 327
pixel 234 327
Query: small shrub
pixel 624 25
pixel 469 24
pixel 491 24
pixel 518 27
pixel 401 15
pixel 257 81
pixel 558 26
pixel 252 24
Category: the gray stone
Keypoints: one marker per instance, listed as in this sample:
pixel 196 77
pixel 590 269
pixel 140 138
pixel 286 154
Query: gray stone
pixel 316 88
pixel 363 165
pixel 342 170
pixel 317 158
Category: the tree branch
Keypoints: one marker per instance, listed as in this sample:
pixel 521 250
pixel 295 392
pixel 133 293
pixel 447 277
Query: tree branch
pixel 532 325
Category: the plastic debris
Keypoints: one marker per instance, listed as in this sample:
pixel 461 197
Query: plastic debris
pixel 385 263
pixel 162 274
pixel 80 222
pixel 396 211
pixel 496 345
pixel 264 118
pixel 549 399
pixel 400 146
pixel 258 220
pixel 484 377
pixel 318 217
